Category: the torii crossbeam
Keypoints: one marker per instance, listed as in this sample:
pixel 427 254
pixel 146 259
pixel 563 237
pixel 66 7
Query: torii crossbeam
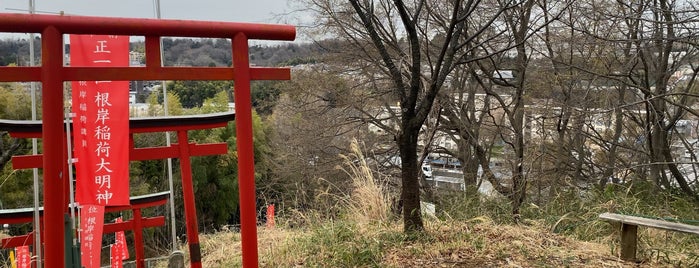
pixel 52 73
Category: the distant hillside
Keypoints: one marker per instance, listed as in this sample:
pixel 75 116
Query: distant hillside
pixel 16 51
pixel 186 52
pixel 217 52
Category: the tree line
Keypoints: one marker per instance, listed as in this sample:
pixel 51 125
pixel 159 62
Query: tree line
pixel 183 52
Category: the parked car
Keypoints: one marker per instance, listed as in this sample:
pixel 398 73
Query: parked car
pixel 426 170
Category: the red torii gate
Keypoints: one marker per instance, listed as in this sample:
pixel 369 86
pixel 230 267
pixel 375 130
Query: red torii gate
pixel 181 150
pixel 52 73
pixel 136 224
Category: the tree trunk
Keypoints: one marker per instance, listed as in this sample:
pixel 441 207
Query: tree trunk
pixel 674 170
pixel 562 152
pixel 519 183
pixel 657 139
pixel 613 145
pixel 469 163
pixel 410 190
pixel 469 167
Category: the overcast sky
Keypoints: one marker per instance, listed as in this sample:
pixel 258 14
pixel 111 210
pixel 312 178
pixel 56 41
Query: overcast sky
pixel 257 11
pixel 261 11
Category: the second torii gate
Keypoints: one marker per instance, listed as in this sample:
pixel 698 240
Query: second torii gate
pixel 182 150
pixel 52 73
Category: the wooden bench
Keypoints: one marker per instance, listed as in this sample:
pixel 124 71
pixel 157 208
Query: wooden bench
pixel 629 226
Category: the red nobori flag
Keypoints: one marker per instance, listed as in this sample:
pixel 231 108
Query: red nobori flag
pixel 23 257
pixel 120 241
pixel 115 257
pixel 101 122
pixel 91 227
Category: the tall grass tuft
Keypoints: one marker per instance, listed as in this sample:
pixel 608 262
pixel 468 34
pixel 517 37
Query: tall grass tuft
pixel 368 201
pixel 357 239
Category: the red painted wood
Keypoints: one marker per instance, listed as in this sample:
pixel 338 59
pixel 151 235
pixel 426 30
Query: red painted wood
pixel 152 153
pixel 208 149
pixel 153 51
pixel 17 241
pixel 138 238
pixel 52 140
pixel 51 74
pixel 20 74
pixel 19 220
pixel 35 23
pixel 25 135
pixel 177 128
pixel 136 154
pixel 146 222
pixel 190 210
pixel 143 73
pixel 168 73
pixel 136 206
pixel 27 161
pixel 246 157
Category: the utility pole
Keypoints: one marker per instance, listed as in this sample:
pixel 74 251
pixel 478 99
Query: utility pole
pixel 173 228
pixel 35 171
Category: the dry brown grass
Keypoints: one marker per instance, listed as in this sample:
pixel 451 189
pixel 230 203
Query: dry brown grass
pixel 223 249
pixel 481 243
pixel 366 236
pixel 475 243
pixel 368 201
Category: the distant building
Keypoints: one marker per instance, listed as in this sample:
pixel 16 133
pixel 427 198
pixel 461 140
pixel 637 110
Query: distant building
pixel 132 97
pixel 504 74
pixel 138 109
pixel 136 58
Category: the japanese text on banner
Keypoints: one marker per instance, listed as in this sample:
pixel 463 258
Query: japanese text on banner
pixel 101 122
pixel 115 256
pixel 23 257
pixel 120 241
pixel 91 228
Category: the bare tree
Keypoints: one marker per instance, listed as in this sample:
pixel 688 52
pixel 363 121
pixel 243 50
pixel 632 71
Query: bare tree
pixel 574 94
pixel 307 140
pixel 404 52
pixel 518 24
pixel 465 110
pixel 655 61
pixel 660 34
